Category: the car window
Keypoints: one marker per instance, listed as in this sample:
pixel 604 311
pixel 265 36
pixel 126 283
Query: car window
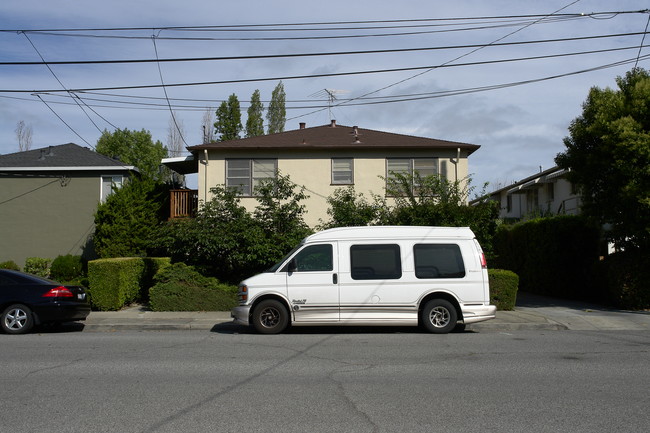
pixel 314 258
pixel 438 261
pixel 375 262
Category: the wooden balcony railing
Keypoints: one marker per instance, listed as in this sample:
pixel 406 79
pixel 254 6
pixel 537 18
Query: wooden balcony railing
pixel 183 203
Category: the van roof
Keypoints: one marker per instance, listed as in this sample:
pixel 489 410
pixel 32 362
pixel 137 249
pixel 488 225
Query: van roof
pixel 391 232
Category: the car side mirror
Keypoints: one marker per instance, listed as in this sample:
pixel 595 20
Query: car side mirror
pixel 292 267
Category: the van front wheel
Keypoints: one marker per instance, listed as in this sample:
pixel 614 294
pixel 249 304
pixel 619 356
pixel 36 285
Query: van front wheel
pixel 439 316
pixel 270 317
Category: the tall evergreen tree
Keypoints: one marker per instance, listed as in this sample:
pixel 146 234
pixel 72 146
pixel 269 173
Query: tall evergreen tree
pixel 228 122
pixel 277 113
pixel 255 121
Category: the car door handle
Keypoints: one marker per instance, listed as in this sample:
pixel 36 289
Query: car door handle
pixel 335 279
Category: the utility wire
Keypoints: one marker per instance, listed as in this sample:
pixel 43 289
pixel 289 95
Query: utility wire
pixel 318 54
pixel 332 74
pixel 642 41
pixel 162 81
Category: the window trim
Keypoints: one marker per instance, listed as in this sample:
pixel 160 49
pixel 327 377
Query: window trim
pixel 102 197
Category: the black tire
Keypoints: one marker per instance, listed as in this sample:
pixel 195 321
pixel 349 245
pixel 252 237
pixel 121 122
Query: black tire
pixel 17 319
pixel 439 316
pixel 270 317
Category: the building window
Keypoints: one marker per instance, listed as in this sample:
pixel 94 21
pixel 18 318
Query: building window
pixel 550 191
pixel 409 167
pixel 509 203
pixel 246 174
pixel 342 171
pixel 375 262
pixel 109 184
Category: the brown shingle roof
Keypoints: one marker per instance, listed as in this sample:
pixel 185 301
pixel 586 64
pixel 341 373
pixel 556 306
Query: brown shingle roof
pixel 338 137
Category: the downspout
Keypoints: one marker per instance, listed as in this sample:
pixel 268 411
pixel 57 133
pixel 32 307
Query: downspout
pixel 455 162
pixel 205 162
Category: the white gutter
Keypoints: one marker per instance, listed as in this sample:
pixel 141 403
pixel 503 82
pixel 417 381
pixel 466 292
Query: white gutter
pixel 90 168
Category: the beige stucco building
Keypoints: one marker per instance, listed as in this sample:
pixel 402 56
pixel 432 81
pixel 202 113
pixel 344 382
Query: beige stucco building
pixel 322 159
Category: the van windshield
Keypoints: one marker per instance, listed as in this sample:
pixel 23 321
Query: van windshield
pixel 275 267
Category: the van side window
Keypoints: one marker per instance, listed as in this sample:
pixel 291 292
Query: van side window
pixel 314 258
pixel 375 262
pixel 438 261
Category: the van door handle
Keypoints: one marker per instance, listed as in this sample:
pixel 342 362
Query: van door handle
pixel 335 279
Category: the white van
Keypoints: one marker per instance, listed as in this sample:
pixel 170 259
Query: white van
pixel 433 276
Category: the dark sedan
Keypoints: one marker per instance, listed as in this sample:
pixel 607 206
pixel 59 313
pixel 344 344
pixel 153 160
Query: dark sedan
pixel 27 300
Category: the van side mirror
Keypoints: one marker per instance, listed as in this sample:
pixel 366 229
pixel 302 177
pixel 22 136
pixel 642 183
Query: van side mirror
pixel 292 267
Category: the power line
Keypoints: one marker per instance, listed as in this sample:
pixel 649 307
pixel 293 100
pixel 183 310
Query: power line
pixel 317 54
pixel 332 74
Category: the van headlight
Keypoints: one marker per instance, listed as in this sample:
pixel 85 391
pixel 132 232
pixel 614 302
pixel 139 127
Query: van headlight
pixel 243 293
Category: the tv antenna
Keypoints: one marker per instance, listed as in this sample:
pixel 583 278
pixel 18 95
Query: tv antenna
pixel 330 94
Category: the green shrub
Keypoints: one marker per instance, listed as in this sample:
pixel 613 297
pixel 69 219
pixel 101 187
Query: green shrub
pixel 503 288
pixel 628 279
pixel 9 264
pixel 67 268
pixel 114 283
pixel 38 266
pixel 181 288
pixel 552 256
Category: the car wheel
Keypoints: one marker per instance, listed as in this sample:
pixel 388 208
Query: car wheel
pixel 439 316
pixel 270 317
pixel 17 319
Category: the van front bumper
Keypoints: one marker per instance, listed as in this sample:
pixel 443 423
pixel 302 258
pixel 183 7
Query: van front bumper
pixel 241 314
pixel 478 313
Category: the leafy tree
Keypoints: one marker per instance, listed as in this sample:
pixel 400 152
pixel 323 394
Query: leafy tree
pixel 608 153
pixel 277 113
pixel 227 241
pixel 418 201
pixel 133 148
pixel 228 122
pixel 125 223
pixel 255 120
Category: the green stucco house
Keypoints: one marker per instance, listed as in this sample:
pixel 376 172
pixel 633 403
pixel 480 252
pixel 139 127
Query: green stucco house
pixel 48 198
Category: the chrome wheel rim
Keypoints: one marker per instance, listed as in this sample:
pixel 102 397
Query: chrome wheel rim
pixel 439 317
pixel 270 317
pixel 16 319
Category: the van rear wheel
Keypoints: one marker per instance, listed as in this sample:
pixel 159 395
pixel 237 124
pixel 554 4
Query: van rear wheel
pixel 270 317
pixel 439 316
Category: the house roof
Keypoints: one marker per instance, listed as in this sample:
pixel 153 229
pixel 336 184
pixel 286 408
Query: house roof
pixel 332 136
pixel 68 156
pixel 536 179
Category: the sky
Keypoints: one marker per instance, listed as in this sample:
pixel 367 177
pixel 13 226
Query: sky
pixel 492 73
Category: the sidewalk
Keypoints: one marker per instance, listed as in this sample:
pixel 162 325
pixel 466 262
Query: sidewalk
pixel 532 312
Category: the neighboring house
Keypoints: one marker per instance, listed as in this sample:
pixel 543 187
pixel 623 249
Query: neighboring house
pixel 48 198
pixel 544 193
pixel 321 159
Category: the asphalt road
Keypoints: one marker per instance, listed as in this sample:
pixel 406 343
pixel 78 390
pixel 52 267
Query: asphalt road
pixel 325 380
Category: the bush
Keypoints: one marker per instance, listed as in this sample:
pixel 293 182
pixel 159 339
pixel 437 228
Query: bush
pixel 114 283
pixel 503 288
pixel 38 266
pixel 67 268
pixel 9 264
pixel 181 288
pixel 628 279
pixel 552 256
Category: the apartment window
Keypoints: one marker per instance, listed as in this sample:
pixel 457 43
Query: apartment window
pixel 509 203
pixel 550 191
pixel 246 174
pixel 375 262
pixel 409 167
pixel 109 184
pixel 438 261
pixel 342 171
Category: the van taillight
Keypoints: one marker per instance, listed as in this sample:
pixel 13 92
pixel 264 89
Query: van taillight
pixel 483 261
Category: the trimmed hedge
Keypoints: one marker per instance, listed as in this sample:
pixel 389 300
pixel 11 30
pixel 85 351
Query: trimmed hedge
pixel 114 283
pixel 552 256
pixel 628 279
pixel 181 288
pixel 503 288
